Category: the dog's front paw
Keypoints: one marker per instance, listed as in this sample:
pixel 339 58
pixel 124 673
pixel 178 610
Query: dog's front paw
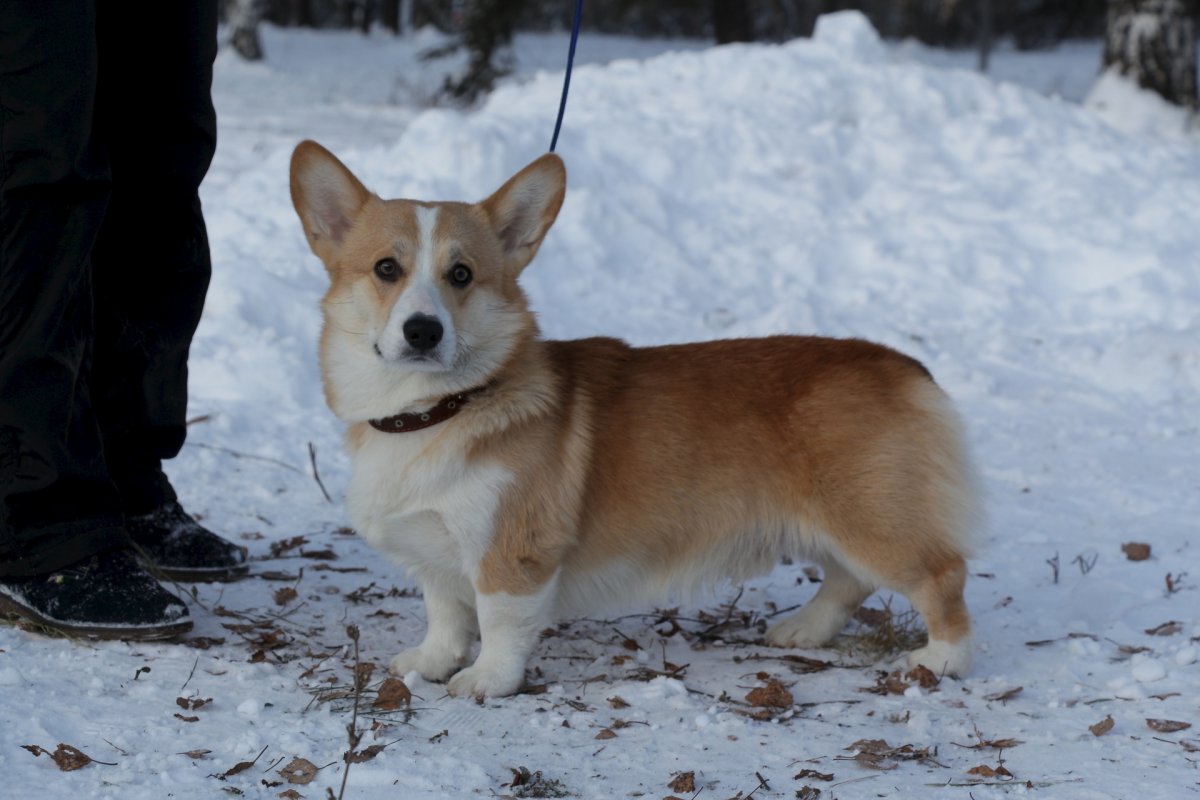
pixel 486 681
pixel 433 666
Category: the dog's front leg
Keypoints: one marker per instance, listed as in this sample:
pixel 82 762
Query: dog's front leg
pixel 509 626
pixel 450 620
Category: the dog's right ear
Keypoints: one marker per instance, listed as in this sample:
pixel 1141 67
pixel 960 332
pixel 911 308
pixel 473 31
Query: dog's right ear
pixel 327 197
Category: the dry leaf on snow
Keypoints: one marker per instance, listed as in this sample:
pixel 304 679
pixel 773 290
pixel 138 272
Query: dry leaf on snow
pixel 1136 551
pixel 812 773
pixel 393 694
pixel 67 758
pixel 1004 696
pixel 773 695
pixel 285 595
pixel 196 754
pixel 1160 725
pixel 1102 727
pixel 684 782
pixel 299 770
pixel 985 771
pixel 192 703
pixel 359 756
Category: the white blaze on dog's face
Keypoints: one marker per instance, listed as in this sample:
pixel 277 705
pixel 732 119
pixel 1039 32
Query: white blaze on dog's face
pixel 423 299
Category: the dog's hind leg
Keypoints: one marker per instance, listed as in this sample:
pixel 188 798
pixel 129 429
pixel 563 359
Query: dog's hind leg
pixel 939 599
pixel 821 619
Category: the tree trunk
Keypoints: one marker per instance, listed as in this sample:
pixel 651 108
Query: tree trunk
pixel 731 21
pixel 1153 42
pixel 244 19
pixel 986 20
pixel 389 15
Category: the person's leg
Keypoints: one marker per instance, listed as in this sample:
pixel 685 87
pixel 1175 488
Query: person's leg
pixel 151 259
pixel 64 550
pixel 57 504
pixel 151 265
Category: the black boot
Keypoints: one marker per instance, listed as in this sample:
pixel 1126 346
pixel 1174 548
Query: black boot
pixel 182 549
pixel 105 596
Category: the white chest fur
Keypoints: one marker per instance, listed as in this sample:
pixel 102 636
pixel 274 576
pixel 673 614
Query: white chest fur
pixel 418 498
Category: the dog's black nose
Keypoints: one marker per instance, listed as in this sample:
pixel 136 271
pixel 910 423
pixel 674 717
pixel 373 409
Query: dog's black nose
pixel 422 332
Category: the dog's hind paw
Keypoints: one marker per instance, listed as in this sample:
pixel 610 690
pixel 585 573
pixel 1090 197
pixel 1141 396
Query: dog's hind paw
pixel 944 658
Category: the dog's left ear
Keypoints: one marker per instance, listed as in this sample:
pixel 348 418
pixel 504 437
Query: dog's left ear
pixel 524 208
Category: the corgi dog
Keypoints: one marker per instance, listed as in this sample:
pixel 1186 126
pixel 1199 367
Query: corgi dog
pixel 519 479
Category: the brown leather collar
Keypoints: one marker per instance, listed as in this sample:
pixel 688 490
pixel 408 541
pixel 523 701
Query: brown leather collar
pixel 446 408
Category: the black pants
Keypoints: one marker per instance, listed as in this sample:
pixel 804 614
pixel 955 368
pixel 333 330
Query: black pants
pixel 105 134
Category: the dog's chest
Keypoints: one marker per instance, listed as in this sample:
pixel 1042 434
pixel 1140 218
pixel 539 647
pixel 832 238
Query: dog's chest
pixel 428 506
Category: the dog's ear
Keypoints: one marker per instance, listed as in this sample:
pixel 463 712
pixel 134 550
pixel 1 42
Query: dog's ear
pixel 523 209
pixel 327 197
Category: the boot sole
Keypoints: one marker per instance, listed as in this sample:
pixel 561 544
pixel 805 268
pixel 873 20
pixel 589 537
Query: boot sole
pixel 10 608
pixel 179 575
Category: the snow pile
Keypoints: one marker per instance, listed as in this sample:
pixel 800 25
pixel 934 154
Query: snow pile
pixel 1131 109
pixel 1042 264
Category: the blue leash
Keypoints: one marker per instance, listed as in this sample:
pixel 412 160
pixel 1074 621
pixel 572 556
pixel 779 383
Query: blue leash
pixel 562 105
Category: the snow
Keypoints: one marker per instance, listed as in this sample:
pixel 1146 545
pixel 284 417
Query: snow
pixel 1119 101
pixel 1042 264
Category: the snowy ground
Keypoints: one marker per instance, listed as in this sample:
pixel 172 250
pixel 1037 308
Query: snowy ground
pixel 1041 263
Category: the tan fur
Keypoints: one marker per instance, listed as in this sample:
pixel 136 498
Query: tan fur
pixel 663 466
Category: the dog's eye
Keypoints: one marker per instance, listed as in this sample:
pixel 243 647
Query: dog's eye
pixel 460 275
pixel 387 269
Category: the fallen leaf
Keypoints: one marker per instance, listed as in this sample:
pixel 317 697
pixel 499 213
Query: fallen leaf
pixel 616 701
pixel 773 695
pixel 983 770
pixel 1160 725
pixel 812 773
pixel 192 703
pixel 242 766
pixel 606 733
pixel 285 595
pixel 281 547
pixel 393 694
pixel 69 758
pixel 924 676
pixel 1005 695
pixel 878 754
pixel 186 719
pixel 1166 629
pixel 1102 727
pixel 299 770
pixel 683 782
pixel 196 754
pixel 358 757
pixel 1136 551
pixel 1001 744
pixel 808 793
pixel 290 794
pixel 888 683
pixel 325 555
